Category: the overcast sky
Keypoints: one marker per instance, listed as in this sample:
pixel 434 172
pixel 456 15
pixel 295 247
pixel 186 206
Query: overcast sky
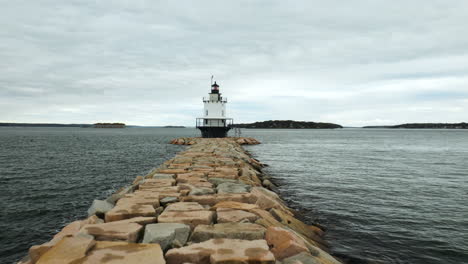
pixel 149 62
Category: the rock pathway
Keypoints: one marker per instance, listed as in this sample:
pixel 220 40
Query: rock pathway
pixel 209 204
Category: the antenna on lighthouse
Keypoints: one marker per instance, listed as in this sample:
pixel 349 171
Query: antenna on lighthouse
pixel 212 79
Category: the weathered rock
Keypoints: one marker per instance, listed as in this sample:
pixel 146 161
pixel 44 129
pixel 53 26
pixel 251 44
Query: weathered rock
pixel 122 252
pixel 138 179
pixel 201 191
pixel 306 258
pixel 163 176
pixel 250 181
pixel 219 174
pixel 228 187
pixel 245 231
pixel 218 251
pixel 143 194
pixel 235 205
pixel 267 199
pixel 36 251
pixel 114 231
pixel 268 184
pixel 184 192
pixel 25 260
pixel 92 220
pixel 226 215
pixel 182 159
pixel 140 200
pixel 191 218
pixel 217 181
pixel 125 211
pixel 179 165
pixel 99 208
pixel 191 176
pixel 202 168
pixel 171 171
pixel 67 250
pixel 121 193
pixel 266 219
pixel 184 206
pixel 165 234
pixel 156 183
pixel 137 220
pixel 301 258
pixel 158 193
pixel 311 232
pixel 167 200
pixel 159 210
pixel 216 198
pixel 159 189
pixel 284 243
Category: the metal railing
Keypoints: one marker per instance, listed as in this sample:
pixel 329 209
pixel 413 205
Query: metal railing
pixel 222 100
pixel 214 122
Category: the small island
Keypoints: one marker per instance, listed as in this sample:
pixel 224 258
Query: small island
pixel 109 125
pixel 289 124
pixel 173 127
pixel 462 125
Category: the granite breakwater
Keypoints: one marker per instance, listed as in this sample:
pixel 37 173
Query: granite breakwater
pixel 211 203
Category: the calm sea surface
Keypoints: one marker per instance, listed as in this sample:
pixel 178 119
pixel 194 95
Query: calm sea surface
pixel 398 196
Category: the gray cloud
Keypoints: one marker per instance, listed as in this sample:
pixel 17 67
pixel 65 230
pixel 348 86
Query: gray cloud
pixel 149 62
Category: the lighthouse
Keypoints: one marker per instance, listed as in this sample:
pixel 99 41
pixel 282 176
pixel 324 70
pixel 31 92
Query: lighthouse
pixel 214 123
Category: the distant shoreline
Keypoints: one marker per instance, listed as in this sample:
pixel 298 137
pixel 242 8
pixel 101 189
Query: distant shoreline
pixel 43 125
pixel 462 125
pixel 72 125
pixel 285 124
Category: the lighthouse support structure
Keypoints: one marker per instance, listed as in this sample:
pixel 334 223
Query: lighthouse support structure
pixel 214 123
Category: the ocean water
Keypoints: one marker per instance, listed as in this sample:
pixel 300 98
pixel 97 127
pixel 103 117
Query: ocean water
pixel 396 196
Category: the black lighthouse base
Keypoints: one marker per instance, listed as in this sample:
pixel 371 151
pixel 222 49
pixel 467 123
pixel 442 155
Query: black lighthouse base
pixel 214 132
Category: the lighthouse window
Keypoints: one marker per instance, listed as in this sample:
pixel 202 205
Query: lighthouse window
pixel 206 112
pixel 222 112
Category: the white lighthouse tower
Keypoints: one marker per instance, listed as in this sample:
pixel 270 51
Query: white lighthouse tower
pixel 214 122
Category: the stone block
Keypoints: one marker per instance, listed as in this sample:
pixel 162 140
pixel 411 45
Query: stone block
pixel 122 253
pixel 226 215
pixel 36 251
pixel 120 193
pixel 168 200
pixel 171 171
pixel 166 234
pixel 140 200
pixel 184 206
pixel 201 191
pixel 191 218
pixel 218 251
pixel 114 231
pixel 217 181
pixel 229 187
pixel 311 232
pixel 284 243
pixel 99 208
pixel 160 176
pixel 235 205
pixel 138 220
pixel 126 211
pixel 67 250
pixel 244 231
pixel 216 198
